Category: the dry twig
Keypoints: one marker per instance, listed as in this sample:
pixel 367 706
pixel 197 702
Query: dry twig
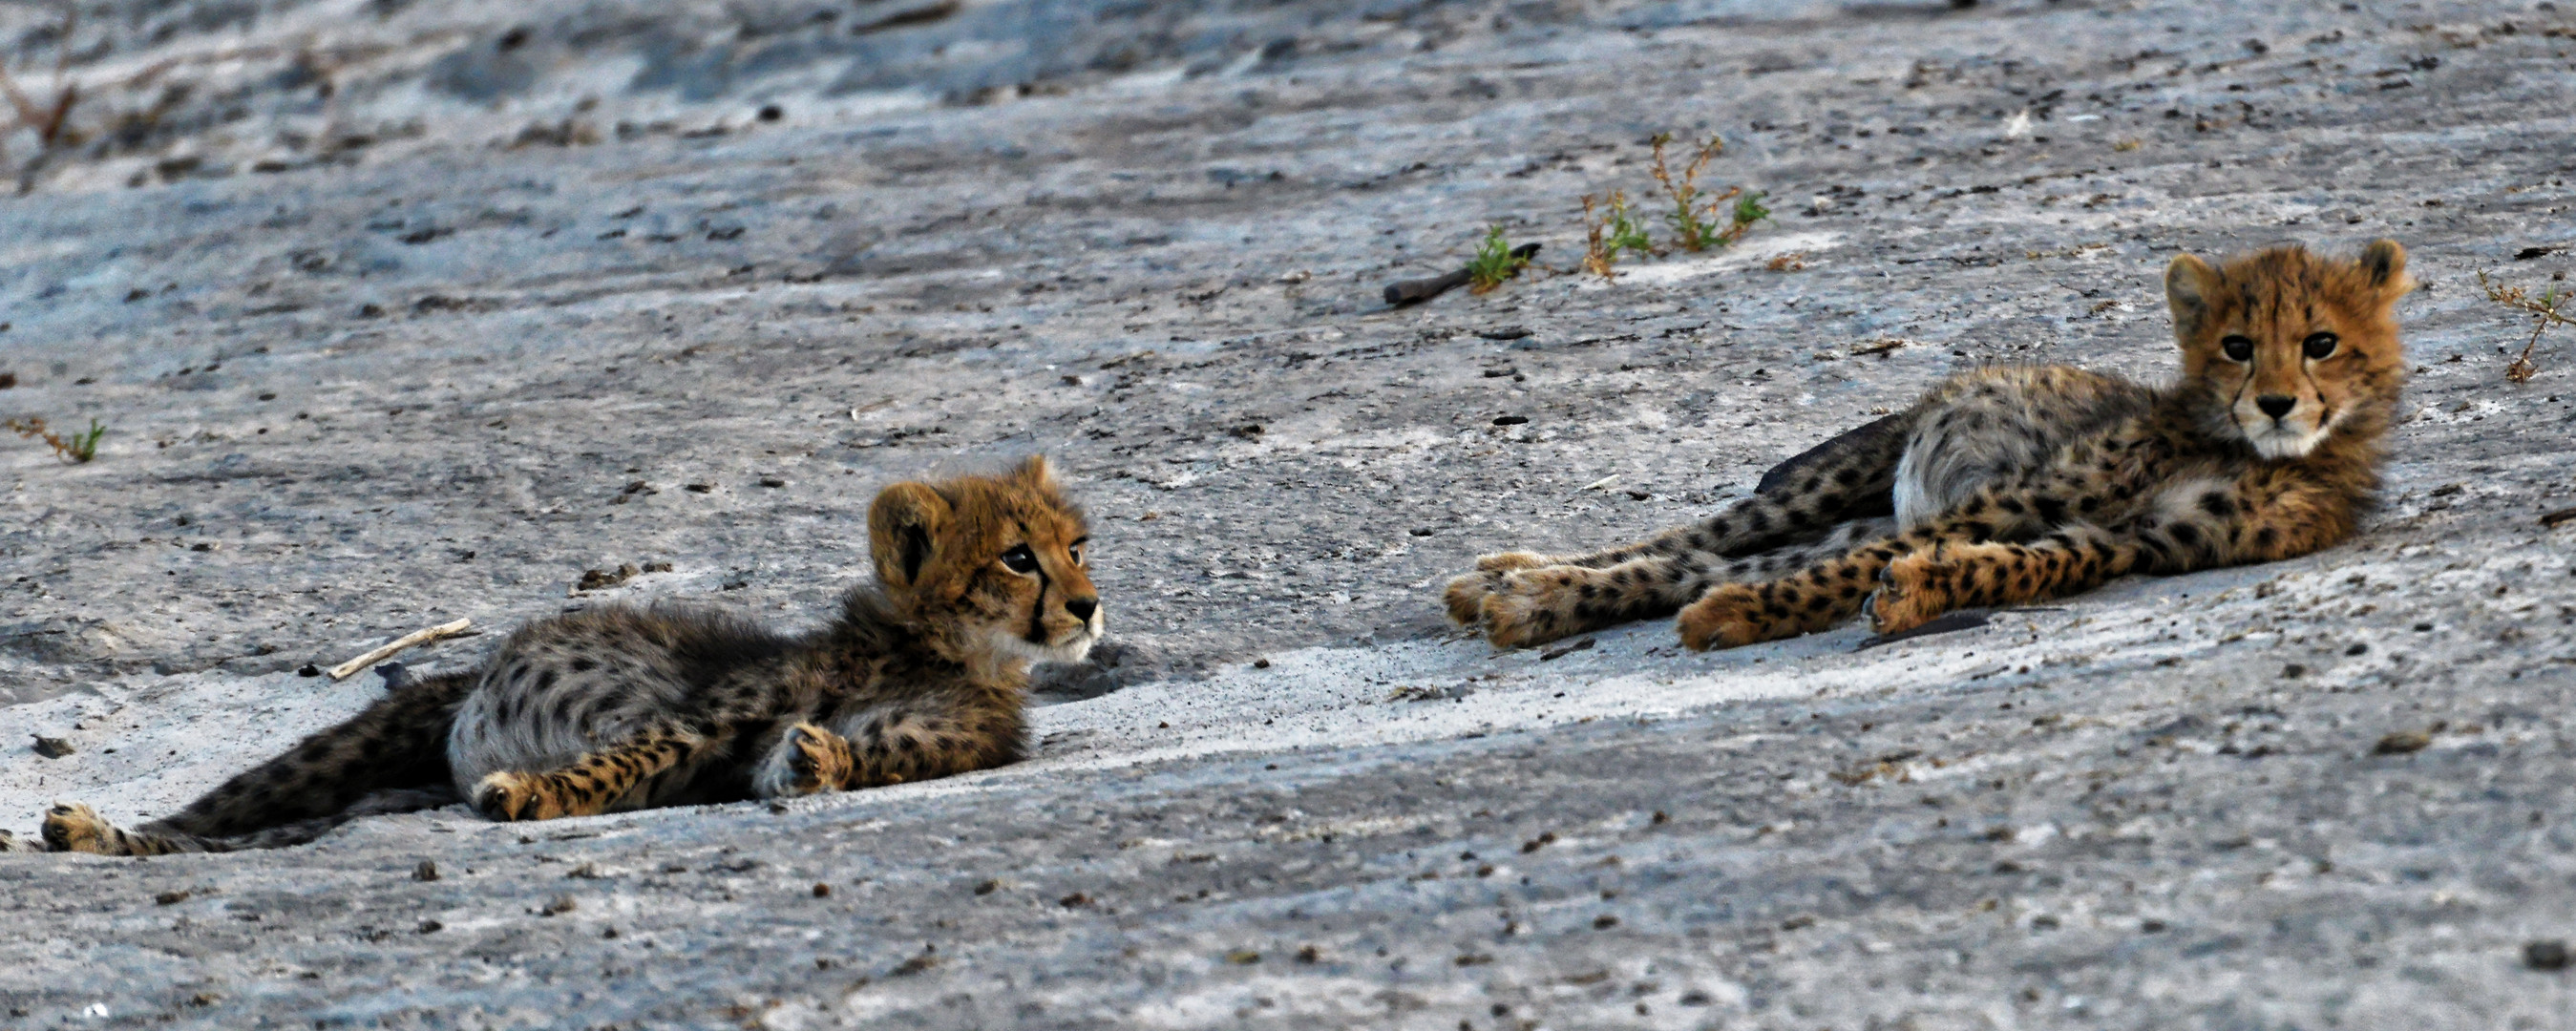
pixel 350 668
pixel 2551 308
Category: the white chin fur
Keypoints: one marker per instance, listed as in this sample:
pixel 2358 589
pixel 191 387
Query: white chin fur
pixel 1067 652
pixel 2279 442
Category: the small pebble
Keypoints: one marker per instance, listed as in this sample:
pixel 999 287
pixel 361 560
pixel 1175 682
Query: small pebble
pixel 2545 954
pixel 52 747
pixel 2402 742
pixel 426 871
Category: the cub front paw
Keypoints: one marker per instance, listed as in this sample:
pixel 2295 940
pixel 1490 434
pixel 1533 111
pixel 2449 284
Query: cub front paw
pixel 1909 594
pixel 1466 596
pixel 808 760
pixel 1728 616
pixel 508 797
pixel 1516 620
pixel 73 827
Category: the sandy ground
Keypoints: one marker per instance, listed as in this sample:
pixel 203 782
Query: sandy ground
pixel 397 313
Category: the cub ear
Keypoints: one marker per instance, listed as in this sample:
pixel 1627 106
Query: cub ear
pixel 2189 282
pixel 903 532
pixel 1035 471
pixel 2385 263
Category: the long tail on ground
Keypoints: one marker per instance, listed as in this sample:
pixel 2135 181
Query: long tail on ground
pixel 389 758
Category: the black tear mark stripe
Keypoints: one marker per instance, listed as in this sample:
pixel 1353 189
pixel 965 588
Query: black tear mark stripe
pixel 1037 612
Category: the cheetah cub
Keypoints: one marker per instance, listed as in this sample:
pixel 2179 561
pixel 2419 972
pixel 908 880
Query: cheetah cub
pixel 2015 484
pixel 921 674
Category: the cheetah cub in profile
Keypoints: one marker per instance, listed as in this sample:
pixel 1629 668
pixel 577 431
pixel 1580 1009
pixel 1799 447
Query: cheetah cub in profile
pixel 921 674
pixel 2016 484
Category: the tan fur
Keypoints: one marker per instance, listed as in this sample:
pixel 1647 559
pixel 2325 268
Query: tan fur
pixel 922 674
pixel 2011 485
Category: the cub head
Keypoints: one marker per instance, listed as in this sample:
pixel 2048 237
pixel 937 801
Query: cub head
pixel 992 563
pixel 2292 348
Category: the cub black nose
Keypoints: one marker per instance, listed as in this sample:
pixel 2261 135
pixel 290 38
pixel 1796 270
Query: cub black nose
pixel 2275 405
pixel 1082 608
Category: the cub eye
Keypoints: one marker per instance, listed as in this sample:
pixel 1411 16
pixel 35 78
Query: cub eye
pixel 1076 549
pixel 1020 560
pixel 2320 346
pixel 2237 348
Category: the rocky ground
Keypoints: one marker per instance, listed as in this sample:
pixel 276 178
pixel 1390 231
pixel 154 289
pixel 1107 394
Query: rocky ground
pixel 396 313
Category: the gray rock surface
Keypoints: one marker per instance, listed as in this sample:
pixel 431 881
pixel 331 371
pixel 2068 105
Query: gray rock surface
pixel 402 312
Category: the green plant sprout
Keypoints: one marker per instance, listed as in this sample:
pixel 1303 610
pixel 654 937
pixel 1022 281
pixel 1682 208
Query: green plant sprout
pixel 1695 217
pixel 1495 262
pixel 79 447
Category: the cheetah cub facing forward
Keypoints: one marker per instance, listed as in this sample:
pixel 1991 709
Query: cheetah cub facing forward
pixel 2015 484
pixel 920 675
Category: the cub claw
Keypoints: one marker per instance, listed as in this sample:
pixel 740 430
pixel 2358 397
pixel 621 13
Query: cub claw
pixel 1465 595
pixel 819 759
pixel 1515 620
pixel 1722 618
pixel 1904 599
pixel 73 827
pixel 508 797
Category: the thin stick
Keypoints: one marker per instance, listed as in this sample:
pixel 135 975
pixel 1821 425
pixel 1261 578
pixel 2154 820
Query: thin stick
pixel 350 668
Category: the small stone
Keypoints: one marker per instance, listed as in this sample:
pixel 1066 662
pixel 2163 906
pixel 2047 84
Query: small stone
pixel 596 579
pixel 1261 664
pixel 561 904
pixel 172 898
pixel 426 871
pixel 1510 420
pixel 2545 954
pixel 1076 900
pixel 1504 332
pixel 2402 742
pixel 772 481
pixel 309 670
pixel 431 927
pixel 822 890
pixel 52 747
pixel 987 887
pixel 1243 957
pixel 8 379
pixel 771 113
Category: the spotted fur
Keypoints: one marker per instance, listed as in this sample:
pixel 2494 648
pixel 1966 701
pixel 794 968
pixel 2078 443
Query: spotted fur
pixel 921 674
pixel 2015 484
